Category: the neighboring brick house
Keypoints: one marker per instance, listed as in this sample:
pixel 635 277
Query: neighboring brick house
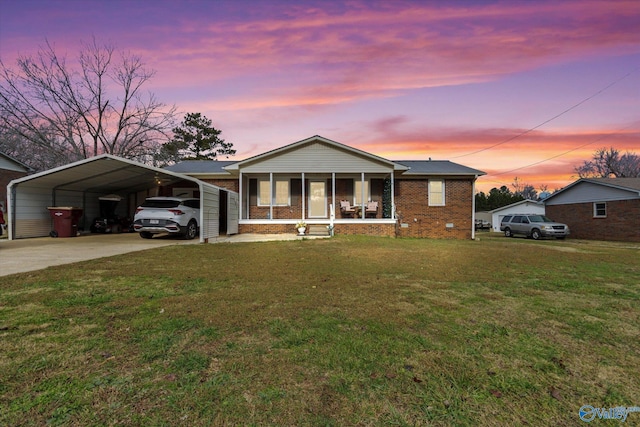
pixel 599 208
pixel 10 169
pixel 414 198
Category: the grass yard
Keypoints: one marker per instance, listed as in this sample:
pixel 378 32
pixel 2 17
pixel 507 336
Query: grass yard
pixel 346 331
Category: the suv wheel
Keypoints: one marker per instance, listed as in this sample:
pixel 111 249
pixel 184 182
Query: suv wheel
pixel 507 232
pixel 192 230
pixel 535 234
pixel 146 235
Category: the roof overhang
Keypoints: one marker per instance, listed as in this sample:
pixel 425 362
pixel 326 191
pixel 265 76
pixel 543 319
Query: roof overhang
pixel 103 174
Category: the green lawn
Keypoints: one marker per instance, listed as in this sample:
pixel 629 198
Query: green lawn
pixel 346 331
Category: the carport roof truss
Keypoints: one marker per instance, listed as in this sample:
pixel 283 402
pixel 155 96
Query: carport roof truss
pixel 103 174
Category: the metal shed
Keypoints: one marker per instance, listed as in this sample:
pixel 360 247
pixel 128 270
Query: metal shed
pixel 80 184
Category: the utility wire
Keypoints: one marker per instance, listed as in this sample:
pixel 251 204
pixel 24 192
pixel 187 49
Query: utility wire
pixel 600 138
pixel 551 119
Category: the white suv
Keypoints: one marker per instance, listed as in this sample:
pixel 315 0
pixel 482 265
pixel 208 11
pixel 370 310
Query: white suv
pixel 173 215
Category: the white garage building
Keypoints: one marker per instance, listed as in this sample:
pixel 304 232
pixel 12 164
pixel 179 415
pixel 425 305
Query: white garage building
pixel 80 185
pixel 521 207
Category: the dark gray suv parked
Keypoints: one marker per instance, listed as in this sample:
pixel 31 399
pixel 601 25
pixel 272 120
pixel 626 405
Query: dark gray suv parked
pixel 534 226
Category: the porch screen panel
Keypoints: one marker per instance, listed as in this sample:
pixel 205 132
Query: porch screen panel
pixel 264 192
pixel 282 192
pixel 296 191
pixel 253 192
pixel 358 191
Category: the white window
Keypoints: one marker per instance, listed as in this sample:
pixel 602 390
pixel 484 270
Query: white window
pixel 600 210
pixel 436 192
pixel 357 189
pixel 280 192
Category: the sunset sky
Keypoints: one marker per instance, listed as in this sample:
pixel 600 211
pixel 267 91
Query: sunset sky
pixel 513 88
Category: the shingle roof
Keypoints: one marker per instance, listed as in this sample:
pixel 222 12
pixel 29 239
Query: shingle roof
pixel 630 183
pixel 437 167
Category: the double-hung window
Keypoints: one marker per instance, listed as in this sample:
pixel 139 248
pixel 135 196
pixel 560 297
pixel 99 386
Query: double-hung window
pixel 436 192
pixel 280 192
pixel 600 210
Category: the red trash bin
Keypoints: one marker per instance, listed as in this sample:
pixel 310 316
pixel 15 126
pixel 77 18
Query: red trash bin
pixel 65 221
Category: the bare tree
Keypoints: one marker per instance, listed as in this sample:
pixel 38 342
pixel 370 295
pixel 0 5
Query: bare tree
pixel 609 162
pixel 73 113
pixel 526 191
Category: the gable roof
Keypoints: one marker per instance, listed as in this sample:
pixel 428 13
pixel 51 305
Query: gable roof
pixel 624 184
pixel 18 165
pixel 513 205
pixel 407 167
pixel 314 139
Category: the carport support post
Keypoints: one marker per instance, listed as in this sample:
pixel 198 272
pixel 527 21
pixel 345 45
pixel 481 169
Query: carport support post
pixel 12 212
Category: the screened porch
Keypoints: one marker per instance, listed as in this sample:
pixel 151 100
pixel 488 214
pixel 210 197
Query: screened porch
pixel 317 197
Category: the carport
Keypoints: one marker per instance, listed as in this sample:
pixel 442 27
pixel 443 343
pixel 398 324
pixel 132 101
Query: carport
pixel 80 185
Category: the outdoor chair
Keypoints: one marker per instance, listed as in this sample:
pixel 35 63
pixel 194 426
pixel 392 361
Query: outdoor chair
pixel 372 209
pixel 346 208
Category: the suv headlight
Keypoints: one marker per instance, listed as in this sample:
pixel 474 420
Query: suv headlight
pixel 547 227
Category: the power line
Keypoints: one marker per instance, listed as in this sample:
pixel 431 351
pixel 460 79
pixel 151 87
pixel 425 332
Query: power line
pixel 551 119
pixel 566 152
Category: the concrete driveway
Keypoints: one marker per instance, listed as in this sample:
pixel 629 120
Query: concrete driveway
pixel 23 255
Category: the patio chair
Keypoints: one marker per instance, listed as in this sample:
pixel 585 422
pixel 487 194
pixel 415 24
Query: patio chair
pixel 372 209
pixel 346 208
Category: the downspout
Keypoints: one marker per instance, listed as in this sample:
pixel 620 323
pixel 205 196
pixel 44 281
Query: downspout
pixel 473 208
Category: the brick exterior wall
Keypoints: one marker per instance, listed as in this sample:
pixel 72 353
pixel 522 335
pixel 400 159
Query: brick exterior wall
pixel 229 184
pixel 412 207
pixel 621 224
pixel 387 230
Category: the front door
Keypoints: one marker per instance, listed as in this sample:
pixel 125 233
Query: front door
pixel 317 199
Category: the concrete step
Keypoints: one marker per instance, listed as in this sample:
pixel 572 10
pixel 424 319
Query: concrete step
pixel 317 230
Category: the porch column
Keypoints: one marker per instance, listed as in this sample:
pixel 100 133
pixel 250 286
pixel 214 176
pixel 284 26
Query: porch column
pixel 270 195
pixel 241 199
pixel 362 195
pixel 333 196
pixel 304 199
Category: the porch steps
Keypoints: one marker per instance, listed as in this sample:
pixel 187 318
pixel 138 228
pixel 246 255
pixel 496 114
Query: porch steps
pixel 317 230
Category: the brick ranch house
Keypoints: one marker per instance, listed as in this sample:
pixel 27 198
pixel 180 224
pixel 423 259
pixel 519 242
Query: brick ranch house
pixel 599 208
pixel 311 179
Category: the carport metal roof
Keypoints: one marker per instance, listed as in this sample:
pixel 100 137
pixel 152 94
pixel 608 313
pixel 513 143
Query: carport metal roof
pixel 103 174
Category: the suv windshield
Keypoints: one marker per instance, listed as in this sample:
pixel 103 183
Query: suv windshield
pixel 539 218
pixel 161 204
